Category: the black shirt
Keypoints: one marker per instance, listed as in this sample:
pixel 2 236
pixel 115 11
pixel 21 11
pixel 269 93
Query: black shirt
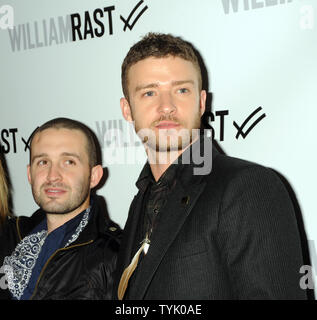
pixel 155 196
pixel 156 193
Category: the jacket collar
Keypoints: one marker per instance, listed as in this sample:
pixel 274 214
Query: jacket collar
pixel 190 167
pixel 99 222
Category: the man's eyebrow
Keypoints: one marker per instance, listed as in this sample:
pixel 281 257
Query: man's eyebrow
pixel 180 82
pixel 41 155
pixel 146 86
pixel 156 84
pixel 71 154
pixel 67 154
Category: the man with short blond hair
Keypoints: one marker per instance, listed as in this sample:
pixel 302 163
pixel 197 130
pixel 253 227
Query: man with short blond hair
pixel 203 225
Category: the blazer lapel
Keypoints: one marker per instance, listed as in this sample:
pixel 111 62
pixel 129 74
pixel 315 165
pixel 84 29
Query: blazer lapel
pixel 171 219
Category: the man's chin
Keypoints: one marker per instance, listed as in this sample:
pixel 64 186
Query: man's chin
pixel 173 144
pixel 55 208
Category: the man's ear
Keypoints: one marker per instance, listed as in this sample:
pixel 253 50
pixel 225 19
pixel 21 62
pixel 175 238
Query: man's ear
pixel 202 101
pixel 96 175
pixel 126 109
pixel 29 173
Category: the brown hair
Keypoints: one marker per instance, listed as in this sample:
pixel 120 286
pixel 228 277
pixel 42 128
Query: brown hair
pixel 4 194
pixel 158 45
pixel 65 123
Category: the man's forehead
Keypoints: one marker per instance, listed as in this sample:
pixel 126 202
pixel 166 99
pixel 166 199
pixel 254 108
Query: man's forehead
pixel 63 133
pixel 172 60
pixel 53 138
pixel 152 67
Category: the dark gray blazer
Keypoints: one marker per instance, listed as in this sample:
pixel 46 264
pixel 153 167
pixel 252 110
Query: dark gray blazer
pixel 236 238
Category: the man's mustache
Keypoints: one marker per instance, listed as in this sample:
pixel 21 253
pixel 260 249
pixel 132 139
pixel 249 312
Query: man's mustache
pixel 166 118
pixel 54 185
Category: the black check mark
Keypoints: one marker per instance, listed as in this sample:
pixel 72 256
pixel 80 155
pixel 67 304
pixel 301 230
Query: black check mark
pixel 240 128
pixel 26 143
pixel 126 21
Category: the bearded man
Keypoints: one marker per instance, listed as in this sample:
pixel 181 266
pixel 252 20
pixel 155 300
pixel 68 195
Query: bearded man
pixel 200 227
pixel 68 248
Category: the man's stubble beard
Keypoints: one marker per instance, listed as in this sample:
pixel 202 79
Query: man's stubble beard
pixel 169 140
pixel 68 206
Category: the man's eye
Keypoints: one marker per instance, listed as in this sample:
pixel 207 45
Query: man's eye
pixel 42 163
pixel 183 90
pixel 149 94
pixel 70 162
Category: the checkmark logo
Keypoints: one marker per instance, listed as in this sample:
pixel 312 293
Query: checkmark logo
pixel 240 129
pixel 27 142
pixel 127 21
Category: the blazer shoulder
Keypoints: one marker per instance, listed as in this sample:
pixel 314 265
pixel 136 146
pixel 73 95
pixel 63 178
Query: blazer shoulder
pixel 229 173
pixel 228 168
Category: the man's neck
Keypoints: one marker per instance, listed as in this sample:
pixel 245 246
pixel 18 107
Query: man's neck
pixel 160 161
pixel 54 221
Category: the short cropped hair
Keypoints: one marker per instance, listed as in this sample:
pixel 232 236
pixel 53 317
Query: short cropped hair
pixel 158 45
pixel 65 123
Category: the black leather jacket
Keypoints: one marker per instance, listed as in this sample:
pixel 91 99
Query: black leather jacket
pixel 83 270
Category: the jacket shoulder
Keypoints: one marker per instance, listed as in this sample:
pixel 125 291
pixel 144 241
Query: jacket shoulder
pixel 113 235
pixel 232 177
pixel 230 168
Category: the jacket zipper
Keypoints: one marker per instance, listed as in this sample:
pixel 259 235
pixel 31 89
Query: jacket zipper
pixel 51 257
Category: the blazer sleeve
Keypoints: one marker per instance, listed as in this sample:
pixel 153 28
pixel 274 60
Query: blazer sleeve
pixel 259 238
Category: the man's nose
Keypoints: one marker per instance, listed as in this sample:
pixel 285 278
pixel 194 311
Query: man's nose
pixel 54 173
pixel 166 103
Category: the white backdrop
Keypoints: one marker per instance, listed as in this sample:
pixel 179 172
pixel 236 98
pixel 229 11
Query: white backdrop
pixel 260 56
